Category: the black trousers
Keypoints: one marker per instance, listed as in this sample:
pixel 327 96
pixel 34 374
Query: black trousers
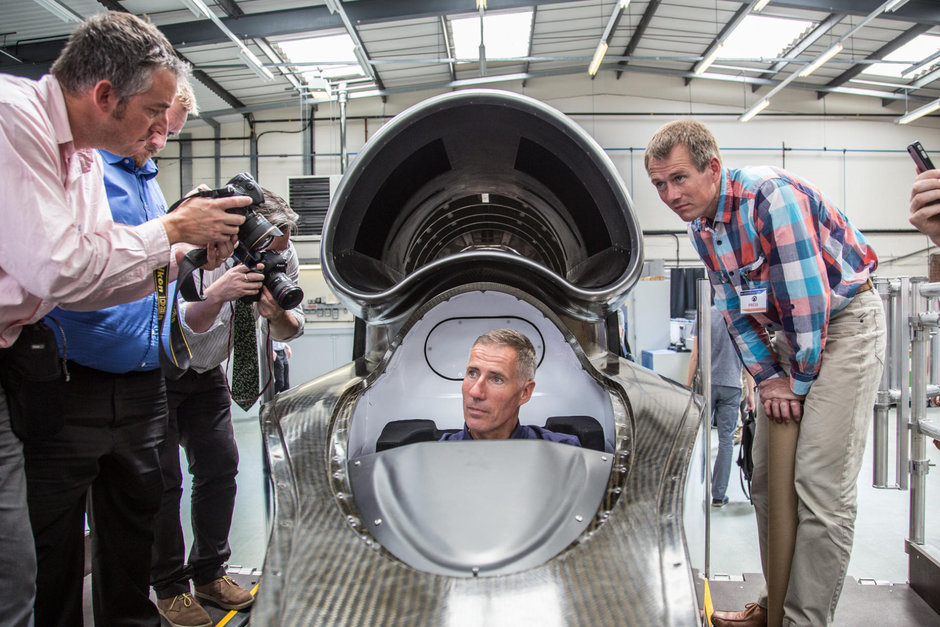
pixel 105 457
pixel 201 422
pixel 281 371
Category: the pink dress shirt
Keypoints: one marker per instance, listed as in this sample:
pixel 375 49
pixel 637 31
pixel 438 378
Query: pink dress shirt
pixel 58 244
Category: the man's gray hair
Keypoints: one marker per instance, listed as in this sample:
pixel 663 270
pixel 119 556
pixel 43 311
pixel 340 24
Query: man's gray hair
pixel 278 211
pixel 525 352
pixel 692 134
pixel 118 47
pixel 186 97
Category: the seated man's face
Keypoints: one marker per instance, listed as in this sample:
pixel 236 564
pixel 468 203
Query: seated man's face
pixel 493 393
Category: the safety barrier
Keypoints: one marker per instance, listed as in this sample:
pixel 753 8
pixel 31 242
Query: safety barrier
pixel 913 317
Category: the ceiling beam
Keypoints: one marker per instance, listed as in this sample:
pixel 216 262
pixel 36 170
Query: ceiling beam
pixel 726 30
pixel 878 54
pixel 920 11
pixel 276 23
pixel 639 33
pixel 579 69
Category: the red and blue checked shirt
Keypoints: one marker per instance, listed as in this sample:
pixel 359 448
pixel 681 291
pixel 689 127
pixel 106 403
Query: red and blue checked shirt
pixel 778 232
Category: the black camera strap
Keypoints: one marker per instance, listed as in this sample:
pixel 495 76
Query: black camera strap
pixel 176 361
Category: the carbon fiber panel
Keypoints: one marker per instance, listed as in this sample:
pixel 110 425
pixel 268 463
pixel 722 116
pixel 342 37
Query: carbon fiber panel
pixel 630 567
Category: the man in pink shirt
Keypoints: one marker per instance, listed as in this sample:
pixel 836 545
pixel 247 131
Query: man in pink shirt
pixel 112 84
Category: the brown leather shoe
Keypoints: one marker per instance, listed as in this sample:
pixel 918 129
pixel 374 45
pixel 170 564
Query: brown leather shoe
pixel 752 616
pixel 225 593
pixel 183 611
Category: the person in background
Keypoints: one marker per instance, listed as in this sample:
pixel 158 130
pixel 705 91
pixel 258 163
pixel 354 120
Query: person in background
pixel 726 370
pixel 282 355
pixel 200 421
pixel 111 86
pixel 780 256
pixel 500 378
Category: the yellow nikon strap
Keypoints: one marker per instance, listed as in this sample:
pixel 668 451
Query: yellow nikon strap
pixel 175 362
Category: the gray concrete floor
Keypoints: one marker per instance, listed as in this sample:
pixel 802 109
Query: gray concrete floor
pixel 880 529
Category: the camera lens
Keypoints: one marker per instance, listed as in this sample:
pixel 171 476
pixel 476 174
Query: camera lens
pixel 285 292
pixel 256 233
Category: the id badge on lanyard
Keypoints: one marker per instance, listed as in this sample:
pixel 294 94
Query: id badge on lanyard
pixel 753 301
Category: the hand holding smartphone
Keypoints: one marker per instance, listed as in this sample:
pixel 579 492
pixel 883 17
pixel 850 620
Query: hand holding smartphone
pixel 919 155
pixel 923 223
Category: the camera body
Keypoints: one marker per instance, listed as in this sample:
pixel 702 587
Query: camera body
pixel 254 236
pixel 255 232
pixel 287 293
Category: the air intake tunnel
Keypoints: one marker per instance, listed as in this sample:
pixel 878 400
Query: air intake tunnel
pixel 478 186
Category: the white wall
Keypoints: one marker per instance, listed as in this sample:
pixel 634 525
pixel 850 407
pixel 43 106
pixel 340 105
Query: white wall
pixel 858 160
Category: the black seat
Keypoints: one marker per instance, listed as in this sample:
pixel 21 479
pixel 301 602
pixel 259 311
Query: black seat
pixel 589 430
pixel 401 432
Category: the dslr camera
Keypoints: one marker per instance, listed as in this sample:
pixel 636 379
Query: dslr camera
pixel 254 236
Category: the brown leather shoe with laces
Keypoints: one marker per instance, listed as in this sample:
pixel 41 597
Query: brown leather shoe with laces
pixel 753 615
pixel 183 611
pixel 225 593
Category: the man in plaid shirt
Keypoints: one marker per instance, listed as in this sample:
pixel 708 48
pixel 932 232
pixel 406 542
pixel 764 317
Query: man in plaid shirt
pixel 782 258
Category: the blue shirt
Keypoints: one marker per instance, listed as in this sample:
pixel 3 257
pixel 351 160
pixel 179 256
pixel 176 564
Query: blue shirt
pixel 123 338
pixel 522 432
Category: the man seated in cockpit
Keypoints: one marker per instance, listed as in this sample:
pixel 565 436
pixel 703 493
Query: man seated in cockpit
pixel 498 381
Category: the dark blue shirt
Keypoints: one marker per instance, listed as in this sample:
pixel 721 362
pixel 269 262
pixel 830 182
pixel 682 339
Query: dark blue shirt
pixel 123 338
pixel 522 432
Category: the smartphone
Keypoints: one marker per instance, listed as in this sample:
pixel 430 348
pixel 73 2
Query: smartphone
pixel 919 155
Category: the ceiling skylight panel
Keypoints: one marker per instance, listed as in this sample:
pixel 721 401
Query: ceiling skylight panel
pixel 506 35
pixel 329 57
pixel 919 48
pixel 763 37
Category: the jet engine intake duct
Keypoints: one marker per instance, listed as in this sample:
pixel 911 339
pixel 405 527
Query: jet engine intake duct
pixel 481 185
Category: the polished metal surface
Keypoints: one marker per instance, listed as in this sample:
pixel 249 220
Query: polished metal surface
pixel 471 211
pixel 481 185
pixel 629 566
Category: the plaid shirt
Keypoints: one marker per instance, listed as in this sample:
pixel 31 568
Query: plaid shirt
pixel 778 232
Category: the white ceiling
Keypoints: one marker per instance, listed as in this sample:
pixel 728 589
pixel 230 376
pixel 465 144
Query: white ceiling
pixel 407 44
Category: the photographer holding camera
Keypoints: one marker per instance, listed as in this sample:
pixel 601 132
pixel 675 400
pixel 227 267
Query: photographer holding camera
pixel 201 419
pixel 114 81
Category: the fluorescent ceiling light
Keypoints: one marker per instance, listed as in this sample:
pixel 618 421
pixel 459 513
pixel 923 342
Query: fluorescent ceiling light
pixel 760 5
pixel 919 113
pixel 363 61
pixel 253 62
pixel 918 48
pixel 505 35
pixel 60 11
pixel 705 63
pixel 198 9
pixel 275 58
pixel 894 6
pixel 762 37
pixel 598 57
pixel 750 113
pixel 820 60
